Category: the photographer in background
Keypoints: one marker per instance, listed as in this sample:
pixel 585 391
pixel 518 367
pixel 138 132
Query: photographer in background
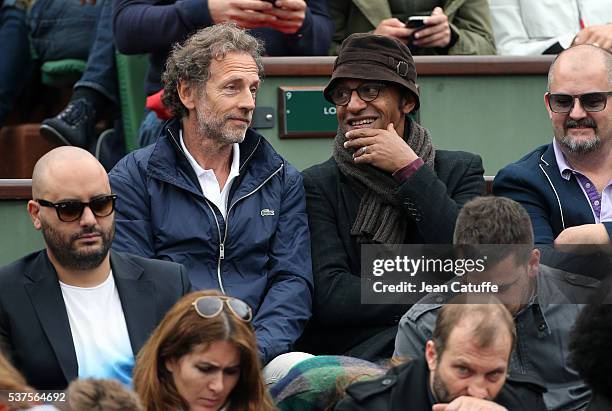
pixel 450 26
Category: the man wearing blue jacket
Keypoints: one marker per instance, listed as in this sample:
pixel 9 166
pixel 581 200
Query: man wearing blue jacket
pixel 566 186
pixel 213 194
pixel 286 28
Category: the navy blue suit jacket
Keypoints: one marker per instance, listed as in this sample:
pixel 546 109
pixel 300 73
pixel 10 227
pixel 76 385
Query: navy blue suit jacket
pixel 34 329
pixel 553 203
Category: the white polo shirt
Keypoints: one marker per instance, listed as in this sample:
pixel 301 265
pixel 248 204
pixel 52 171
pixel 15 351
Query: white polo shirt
pixel 208 180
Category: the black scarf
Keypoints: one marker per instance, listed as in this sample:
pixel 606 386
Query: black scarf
pixel 380 219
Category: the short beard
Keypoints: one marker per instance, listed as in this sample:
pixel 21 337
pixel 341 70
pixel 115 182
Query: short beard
pixel 580 147
pixel 66 256
pixel 440 390
pixel 216 128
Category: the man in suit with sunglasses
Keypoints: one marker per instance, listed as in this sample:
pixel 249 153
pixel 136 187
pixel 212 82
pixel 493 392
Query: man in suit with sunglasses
pixel 566 186
pixel 75 309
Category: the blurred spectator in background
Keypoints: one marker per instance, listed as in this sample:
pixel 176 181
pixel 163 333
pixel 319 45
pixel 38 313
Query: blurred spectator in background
pixel 286 27
pixel 536 296
pixel 532 27
pixel 11 381
pixel 63 29
pixel 99 395
pixel 318 383
pixel 590 353
pixel 95 95
pixel 453 26
pixel 202 356
pixel 15 46
pixel 58 29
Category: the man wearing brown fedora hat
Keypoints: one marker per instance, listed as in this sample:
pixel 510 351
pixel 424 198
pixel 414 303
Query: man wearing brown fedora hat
pixel 385 184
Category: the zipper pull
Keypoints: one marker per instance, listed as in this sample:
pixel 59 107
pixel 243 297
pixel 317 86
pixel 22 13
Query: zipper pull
pixel 221 251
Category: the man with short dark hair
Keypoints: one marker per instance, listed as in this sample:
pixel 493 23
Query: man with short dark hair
pixel 566 186
pixel 385 184
pixel 214 195
pixel 75 309
pixel 540 299
pixel 464 367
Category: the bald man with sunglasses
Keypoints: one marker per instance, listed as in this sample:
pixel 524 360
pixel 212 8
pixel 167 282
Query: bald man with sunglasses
pixel 74 309
pixel 566 186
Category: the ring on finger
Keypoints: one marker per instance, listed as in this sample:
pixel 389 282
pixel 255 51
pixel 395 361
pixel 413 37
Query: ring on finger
pixel 364 149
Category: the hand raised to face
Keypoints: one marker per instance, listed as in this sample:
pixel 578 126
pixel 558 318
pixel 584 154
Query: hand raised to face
pixel 383 149
pixel 465 403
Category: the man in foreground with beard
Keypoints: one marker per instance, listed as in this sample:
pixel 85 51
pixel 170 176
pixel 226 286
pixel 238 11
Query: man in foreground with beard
pixel 75 309
pixel 566 186
pixel 214 195
pixel 465 367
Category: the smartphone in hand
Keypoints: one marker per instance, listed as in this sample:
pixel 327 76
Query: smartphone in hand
pixel 416 22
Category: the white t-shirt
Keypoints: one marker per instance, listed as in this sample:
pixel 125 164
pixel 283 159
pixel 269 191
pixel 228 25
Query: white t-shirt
pixel 99 332
pixel 208 179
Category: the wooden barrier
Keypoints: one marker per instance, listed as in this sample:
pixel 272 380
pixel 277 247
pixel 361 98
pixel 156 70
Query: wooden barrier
pixel 425 65
pixel 16 189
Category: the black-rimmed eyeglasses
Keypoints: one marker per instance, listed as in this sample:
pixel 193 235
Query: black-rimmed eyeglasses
pixel 341 95
pixel 591 102
pixel 69 211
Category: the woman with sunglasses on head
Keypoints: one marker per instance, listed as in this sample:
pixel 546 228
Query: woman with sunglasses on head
pixel 202 357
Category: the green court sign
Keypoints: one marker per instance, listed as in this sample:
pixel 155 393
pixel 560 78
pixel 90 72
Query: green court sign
pixel 304 112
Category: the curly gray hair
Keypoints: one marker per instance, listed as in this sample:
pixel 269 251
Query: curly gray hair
pixel 190 61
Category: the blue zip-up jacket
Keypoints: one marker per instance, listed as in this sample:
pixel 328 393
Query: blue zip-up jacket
pixel 260 254
pixel 153 26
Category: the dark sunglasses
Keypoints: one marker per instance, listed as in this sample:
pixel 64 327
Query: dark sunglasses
pixel 591 102
pixel 341 96
pixel 210 306
pixel 69 211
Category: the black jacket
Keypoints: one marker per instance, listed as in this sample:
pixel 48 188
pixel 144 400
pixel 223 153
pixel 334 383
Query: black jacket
pixel 34 328
pixel 431 201
pixel 600 403
pixel 405 388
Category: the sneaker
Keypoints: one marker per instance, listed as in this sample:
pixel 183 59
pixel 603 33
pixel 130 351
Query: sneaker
pixel 74 126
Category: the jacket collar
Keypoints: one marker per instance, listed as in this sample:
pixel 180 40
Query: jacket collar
pixel 135 294
pixel 258 161
pixel 567 192
pixel 137 299
pixel 548 158
pixel 46 297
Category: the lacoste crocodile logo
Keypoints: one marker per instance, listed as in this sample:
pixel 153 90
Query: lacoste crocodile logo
pixel 266 212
